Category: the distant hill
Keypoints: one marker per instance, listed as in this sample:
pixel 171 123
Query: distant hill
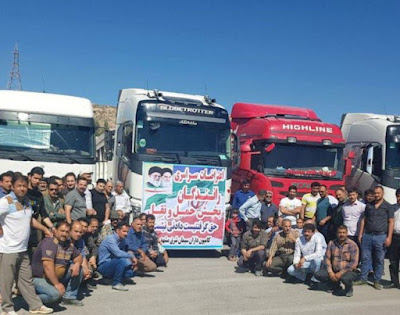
pixel 105 116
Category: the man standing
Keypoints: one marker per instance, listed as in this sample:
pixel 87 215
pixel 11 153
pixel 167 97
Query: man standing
pixel 309 202
pixel 394 249
pixel 122 200
pixel 37 202
pixel 375 236
pixel 353 212
pixel 337 214
pixel 242 195
pixel 136 244
pixel 268 209
pixel 152 242
pixel 114 262
pixel 341 262
pixel 75 202
pixel 290 206
pixel 53 204
pixel 251 209
pixel 100 202
pixel 70 183
pixel 16 219
pixel 56 267
pixel 323 213
pixel 308 254
pixel 253 247
pixel 5 183
pixel 282 249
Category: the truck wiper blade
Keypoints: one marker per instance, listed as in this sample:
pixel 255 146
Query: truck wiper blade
pixel 21 153
pixel 62 153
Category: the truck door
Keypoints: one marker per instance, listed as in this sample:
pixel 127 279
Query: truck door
pixel 371 167
pixel 124 150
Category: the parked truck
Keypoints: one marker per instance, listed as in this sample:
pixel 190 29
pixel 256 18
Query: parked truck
pixel 172 151
pixel 283 146
pixel 55 132
pixel 375 141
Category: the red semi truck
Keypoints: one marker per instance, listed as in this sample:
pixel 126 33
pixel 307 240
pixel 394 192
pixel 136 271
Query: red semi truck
pixel 283 146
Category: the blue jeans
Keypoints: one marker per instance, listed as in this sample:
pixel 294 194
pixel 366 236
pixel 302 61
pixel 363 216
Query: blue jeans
pixel 372 250
pixel 117 269
pixel 49 294
pixel 308 267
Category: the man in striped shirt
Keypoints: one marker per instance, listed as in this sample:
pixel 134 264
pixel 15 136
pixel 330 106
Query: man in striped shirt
pixel 341 261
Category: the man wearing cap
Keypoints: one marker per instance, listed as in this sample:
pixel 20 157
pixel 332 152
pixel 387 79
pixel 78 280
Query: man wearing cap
pixel 251 209
pixel 109 227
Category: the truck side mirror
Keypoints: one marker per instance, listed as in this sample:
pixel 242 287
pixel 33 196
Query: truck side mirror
pixel 235 151
pixel 108 144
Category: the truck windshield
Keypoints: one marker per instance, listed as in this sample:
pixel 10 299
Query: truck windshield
pixel 171 137
pixel 34 140
pixel 294 160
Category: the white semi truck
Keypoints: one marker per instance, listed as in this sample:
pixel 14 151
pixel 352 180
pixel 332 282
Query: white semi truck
pixel 55 132
pixel 375 141
pixel 172 151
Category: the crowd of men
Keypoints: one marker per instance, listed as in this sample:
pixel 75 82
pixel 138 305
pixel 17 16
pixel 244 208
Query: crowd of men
pixel 320 239
pixel 59 236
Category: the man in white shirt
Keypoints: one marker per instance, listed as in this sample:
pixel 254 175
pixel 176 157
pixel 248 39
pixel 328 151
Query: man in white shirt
pixel 308 254
pixel 122 200
pixel 290 206
pixel 16 220
pixel 353 212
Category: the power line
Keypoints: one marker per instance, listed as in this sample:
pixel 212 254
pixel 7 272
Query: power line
pixel 14 83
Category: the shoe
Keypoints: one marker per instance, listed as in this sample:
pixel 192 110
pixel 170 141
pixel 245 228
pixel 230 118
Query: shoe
pixel 314 286
pixel 377 286
pixel 9 313
pixel 258 273
pixel 73 302
pixel 360 282
pixel 334 289
pixel 349 292
pixel 129 281
pixel 390 286
pixel 91 286
pixel 119 287
pixel 42 310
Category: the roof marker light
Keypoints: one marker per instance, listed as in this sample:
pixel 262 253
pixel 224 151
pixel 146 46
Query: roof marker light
pixel 327 142
pixel 291 139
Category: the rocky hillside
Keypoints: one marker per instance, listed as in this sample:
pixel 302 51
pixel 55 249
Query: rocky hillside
pixel 104 117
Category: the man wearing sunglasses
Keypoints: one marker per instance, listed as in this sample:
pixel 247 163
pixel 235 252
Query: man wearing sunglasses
pixel 53 204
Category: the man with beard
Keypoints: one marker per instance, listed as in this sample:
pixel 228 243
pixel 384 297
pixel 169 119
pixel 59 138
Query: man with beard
pixel 253 247
pixel 100 202
pixel 154 179
pixel 160 259
pixel 166 178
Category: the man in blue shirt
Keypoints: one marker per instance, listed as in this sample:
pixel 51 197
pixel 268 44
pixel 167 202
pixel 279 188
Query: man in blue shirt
pixel 114 262
pixel 242 195
pixel 137 245
pixel 251 209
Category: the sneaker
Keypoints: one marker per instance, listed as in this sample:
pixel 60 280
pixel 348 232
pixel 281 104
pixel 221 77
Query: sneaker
pixel 349 292
pixel 91 286
pixel 360 282
pixel 390 286
pixel 119 287
pixel 73 302
pixel 258 273
pixel 377 286
pixel 42 310
pixel 129 281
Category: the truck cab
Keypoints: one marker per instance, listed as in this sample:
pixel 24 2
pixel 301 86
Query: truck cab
pixel 375 141
pixel 283 146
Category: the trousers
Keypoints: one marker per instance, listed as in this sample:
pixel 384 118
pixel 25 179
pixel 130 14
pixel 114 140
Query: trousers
pixel 16 267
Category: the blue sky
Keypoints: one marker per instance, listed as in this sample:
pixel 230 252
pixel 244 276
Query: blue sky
pixel 331 56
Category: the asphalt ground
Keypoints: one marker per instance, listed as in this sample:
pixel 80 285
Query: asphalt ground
pixel 205 282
